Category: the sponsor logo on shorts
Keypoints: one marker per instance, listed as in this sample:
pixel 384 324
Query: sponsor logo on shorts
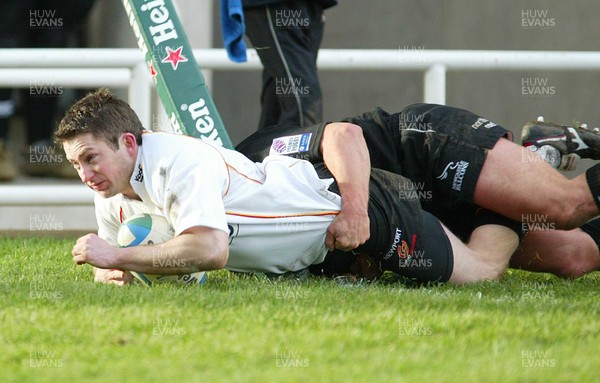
pixel 408 255
pixel 460 169
pixel 404 250
pixel 397 239
pixel 483 122
pixel 401 247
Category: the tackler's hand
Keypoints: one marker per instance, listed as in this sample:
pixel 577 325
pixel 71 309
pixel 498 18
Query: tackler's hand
pixel 348 230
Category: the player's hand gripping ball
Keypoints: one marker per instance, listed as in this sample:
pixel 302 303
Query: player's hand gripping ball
pixel 149 229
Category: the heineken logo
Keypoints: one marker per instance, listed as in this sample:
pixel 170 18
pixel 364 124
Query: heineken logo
pixel 162 28
pixel 203 121
pixel 172 67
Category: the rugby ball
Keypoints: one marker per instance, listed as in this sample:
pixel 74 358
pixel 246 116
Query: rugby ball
pixel 149 229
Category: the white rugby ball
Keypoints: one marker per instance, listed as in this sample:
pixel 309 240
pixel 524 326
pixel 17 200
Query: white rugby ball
pixel 149 229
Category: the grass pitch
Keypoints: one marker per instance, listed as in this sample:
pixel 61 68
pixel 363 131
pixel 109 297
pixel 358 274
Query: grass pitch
pixel 60 326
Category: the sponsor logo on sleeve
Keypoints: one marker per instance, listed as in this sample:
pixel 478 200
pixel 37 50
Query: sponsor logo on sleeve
pixel 290 144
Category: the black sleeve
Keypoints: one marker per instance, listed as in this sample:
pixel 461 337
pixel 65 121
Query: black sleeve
pixel 297 142
pixel 380 129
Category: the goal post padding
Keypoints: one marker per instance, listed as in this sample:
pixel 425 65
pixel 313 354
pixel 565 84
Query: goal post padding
pixel 170 60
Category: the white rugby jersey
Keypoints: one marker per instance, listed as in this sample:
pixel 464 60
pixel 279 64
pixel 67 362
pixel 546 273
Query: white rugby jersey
pixel 276 212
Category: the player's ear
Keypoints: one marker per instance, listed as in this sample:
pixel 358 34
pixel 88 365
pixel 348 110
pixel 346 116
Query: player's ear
pixel 129 142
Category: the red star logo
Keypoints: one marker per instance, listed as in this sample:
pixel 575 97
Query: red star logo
pixel 152 70
pixel 174 57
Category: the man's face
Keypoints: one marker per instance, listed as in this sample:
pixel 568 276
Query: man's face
pixel 104 170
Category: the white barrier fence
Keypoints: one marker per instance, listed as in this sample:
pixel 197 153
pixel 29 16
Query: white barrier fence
pixel 20 68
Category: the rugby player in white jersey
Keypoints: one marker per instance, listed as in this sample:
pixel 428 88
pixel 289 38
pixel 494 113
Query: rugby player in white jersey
pixel 228 211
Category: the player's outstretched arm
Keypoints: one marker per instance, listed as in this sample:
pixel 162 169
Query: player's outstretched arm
pixel 346 156
pixel 196 249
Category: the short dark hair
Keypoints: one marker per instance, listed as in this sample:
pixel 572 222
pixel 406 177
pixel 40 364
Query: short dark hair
pixel 102 114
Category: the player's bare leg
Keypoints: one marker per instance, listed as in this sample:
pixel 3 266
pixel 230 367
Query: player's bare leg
pixel 515 183
pixel 567 254
pixel 485 257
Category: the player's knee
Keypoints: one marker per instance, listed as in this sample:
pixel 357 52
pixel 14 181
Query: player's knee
pixel 571 271
pixel 483 272
pixel 576 261
pixel 496 263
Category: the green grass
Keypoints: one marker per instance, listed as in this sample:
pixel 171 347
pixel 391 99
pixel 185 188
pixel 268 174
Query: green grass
pixel 57 325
